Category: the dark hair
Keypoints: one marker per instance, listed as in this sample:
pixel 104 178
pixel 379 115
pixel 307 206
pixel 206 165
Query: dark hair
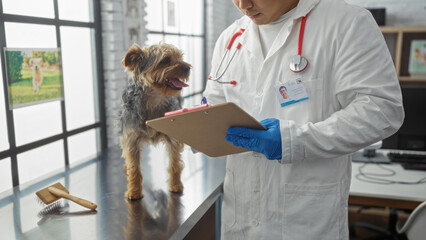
pixel 282 88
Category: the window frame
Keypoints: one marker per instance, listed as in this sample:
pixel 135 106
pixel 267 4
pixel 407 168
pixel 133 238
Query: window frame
pixel 100 122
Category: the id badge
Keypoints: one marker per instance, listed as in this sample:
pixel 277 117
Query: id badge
pixel 291 92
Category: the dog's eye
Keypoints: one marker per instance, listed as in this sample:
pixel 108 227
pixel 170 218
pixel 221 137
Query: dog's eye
pixel 165 61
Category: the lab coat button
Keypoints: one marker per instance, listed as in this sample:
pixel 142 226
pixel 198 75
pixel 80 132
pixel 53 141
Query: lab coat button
pixel 255 223
pixel 259 93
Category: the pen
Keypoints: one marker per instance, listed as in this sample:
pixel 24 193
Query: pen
pixel 204 100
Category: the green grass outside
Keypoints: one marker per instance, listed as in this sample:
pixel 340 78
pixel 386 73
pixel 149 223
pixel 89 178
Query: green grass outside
pixel 22 91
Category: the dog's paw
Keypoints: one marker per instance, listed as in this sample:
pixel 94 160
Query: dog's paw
pixel 133 195
pixel 177 188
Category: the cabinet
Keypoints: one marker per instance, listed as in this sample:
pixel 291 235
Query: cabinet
pixel 399 41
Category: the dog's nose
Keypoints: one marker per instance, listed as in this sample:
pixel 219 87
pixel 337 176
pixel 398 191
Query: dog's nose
pixel 185 68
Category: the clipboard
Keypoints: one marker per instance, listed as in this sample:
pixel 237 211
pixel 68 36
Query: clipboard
pixel 204 129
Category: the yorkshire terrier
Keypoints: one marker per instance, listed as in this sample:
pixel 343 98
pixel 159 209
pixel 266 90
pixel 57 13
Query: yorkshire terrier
pixel 159 74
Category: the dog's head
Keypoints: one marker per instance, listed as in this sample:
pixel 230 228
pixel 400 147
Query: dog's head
pixel 35 63
pixel 160 66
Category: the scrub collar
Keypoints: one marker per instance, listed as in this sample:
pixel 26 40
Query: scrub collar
pixel 283 18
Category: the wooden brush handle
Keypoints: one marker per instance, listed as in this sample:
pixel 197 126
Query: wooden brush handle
pixel 80 201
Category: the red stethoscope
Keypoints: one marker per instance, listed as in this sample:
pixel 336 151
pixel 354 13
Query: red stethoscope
pixel 297 64
pixel 228 48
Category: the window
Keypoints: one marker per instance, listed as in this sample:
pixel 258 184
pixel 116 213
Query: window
pixel 39 138
pixel 181 23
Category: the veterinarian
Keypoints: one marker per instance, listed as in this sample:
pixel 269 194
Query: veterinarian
pixel 294 184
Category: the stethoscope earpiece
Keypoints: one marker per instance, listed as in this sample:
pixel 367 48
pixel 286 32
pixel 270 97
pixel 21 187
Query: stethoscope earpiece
pixel 233 82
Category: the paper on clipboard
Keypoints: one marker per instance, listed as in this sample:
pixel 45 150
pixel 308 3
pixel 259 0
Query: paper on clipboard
pixel 205 129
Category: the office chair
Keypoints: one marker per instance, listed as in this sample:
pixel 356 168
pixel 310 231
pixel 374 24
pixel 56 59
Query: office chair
pixel 380 233
pixel 415 226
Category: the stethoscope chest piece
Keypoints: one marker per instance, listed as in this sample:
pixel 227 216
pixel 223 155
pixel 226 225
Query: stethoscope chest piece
pixel 298 64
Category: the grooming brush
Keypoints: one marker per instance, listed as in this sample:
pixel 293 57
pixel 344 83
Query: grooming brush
pixel 57 191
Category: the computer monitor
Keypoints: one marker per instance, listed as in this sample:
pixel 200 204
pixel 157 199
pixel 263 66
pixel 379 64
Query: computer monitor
pixel 412 134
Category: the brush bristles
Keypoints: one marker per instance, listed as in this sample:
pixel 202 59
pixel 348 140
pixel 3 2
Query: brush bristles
pixel 52 208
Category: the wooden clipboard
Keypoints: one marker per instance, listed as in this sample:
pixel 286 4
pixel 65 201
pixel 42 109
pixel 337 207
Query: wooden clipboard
pixel 205 129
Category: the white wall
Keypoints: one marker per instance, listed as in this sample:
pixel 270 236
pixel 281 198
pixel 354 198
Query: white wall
pixel 398 12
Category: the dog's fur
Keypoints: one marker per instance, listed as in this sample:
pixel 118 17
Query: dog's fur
pixel 149 95
pixel 35 64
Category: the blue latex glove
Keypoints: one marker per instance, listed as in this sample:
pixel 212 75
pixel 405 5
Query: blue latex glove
pixel 267 141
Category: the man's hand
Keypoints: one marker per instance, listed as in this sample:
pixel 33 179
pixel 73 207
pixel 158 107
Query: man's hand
pixel 267 141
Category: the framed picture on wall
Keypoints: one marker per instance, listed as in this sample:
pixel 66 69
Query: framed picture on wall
pixel 417 61
pixel 33 76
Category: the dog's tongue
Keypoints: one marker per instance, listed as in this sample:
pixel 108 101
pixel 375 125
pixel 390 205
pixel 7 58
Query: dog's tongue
pixel 178 83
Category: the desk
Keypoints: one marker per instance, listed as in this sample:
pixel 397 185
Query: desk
pixel 159 215
pixel 400 196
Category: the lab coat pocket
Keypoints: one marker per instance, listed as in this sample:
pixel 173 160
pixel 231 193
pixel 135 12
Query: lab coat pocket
pixel 311 212
pixel 228 204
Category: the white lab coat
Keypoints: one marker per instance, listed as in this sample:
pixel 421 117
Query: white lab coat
pixel 354 101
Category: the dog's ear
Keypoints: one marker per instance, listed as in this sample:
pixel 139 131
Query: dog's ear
pixel 136 59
